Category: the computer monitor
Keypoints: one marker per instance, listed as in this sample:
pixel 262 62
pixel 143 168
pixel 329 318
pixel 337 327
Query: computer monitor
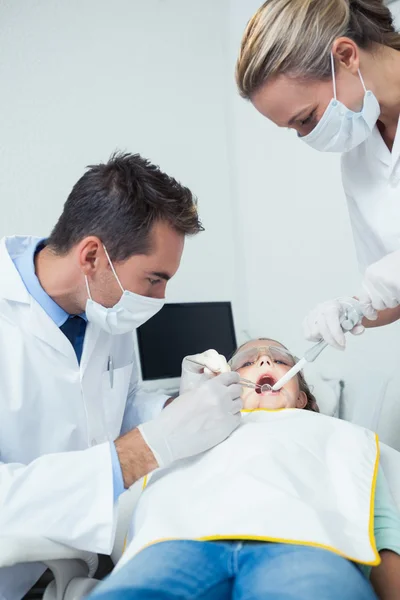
pixel 179 330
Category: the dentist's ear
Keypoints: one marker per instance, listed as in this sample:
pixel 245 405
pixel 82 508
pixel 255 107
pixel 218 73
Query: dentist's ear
pixel 301 400
pixel 90 255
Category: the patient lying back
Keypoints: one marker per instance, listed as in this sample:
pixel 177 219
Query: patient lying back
pixel 287 474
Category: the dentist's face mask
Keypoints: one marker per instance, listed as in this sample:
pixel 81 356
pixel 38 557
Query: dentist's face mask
pixel 131 311
pixel 341 129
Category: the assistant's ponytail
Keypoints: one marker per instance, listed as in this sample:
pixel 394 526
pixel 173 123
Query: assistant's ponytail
pixel 371 22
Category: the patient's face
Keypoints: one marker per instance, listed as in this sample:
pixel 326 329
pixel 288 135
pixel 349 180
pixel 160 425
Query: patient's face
pixel 267 369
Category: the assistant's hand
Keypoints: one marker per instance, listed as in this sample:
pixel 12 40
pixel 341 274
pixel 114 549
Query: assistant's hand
pixel 323 322
pixel 210 364
pixel 381 285
pixel 195 421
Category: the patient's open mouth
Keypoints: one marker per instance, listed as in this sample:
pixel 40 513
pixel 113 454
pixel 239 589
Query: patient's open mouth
pixel 265 379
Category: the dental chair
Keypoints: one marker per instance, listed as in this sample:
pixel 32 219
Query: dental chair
pixel 72 570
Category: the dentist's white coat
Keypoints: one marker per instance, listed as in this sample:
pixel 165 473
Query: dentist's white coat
pixel 56 423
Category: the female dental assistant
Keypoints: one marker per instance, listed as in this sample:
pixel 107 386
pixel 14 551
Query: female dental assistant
pixel 330 69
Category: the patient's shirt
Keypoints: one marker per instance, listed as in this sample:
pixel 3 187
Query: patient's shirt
pixel 387 519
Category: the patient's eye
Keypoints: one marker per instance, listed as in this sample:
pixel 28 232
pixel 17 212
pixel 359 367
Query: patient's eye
pixel 282 362
pixel 247 364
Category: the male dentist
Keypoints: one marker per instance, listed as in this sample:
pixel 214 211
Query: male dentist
pixel 75 430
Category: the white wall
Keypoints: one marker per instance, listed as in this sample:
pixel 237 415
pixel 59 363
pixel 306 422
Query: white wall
pixel 80 79
pixel 394 6
pixel 296 238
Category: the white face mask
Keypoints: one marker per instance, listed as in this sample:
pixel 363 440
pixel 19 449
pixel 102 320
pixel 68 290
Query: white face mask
pixel 130 312
pixel 341 129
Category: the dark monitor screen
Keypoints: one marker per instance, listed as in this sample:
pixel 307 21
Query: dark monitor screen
pixel 179 330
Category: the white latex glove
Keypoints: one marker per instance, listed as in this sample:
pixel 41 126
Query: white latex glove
pixel 324 323
pixel 195 421
pixel 381 285
pixel 194 375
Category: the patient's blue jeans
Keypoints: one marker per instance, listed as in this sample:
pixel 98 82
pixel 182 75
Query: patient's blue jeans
pixel 238 571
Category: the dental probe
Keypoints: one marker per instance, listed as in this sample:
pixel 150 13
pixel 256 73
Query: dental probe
pixel 352 316
pixel 243 382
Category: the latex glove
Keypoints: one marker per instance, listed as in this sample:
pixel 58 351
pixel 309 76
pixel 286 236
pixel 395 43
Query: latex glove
pixel 195 421
pixel 381 285
pixel 324 323
pixel 194 375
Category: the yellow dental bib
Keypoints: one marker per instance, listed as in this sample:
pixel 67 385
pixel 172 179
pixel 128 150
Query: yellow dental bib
pixel 289 476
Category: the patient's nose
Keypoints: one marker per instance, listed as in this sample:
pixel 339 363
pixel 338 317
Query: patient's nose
pixel 264 360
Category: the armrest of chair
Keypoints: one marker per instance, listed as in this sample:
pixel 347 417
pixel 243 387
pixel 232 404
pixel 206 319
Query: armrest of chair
pixel 14 550
pixel 126 506
pixel 65 571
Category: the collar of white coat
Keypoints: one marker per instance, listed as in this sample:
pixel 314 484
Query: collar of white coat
pixel 379 148
pixel 11 285
pixel 42 326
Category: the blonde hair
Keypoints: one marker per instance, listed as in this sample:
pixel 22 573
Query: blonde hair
pixel 295 37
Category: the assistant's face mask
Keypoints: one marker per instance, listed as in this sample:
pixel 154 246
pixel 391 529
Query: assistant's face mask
pixel 341 129
pixel 130 312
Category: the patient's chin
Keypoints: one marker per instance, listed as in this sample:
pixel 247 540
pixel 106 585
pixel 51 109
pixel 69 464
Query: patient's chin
pixel 251 401
pixel 270 401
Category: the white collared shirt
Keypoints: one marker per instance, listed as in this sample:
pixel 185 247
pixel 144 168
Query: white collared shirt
pixel 371 180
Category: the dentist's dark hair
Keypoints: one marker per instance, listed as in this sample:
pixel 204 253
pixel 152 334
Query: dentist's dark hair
pixel 119 202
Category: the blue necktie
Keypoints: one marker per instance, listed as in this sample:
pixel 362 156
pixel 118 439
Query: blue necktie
pixel 74 329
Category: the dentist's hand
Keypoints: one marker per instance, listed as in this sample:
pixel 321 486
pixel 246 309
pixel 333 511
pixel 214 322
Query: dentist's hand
pixel 381 285
pixel 195 421
pixel 324 323
pixel 210 364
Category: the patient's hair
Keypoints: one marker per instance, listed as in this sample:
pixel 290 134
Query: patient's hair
pixel 311 400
